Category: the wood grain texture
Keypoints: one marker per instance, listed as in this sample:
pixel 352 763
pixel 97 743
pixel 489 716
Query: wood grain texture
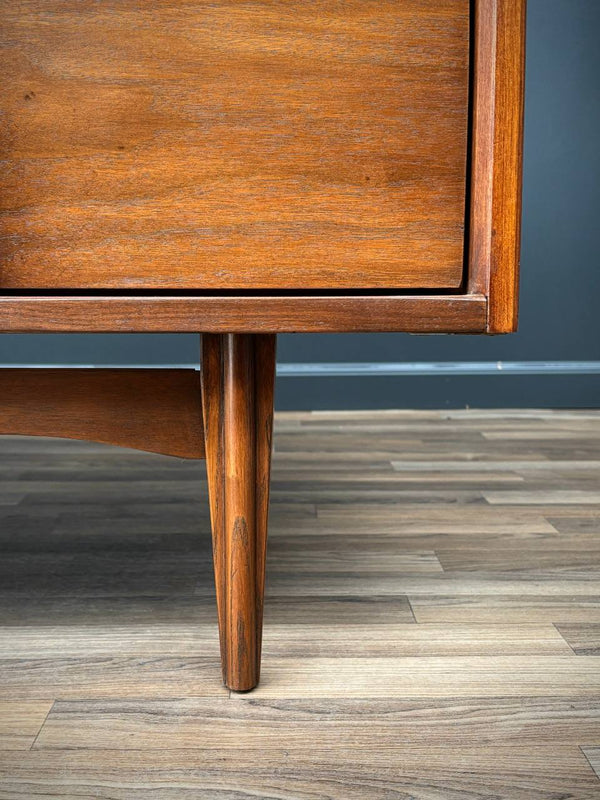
pixel 267 145
pixel 432 677
pixel 497 145
pixel 333 724
pixel 369 634
pixel 147 409
pixel 379 771
pixel 238 374
pixel 110 676
pixel 244 314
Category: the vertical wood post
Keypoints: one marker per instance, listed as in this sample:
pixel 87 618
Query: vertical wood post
pixel 238 373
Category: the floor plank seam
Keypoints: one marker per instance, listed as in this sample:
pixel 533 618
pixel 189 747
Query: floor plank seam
pixel 412 611
pixel 32 747
pixel 569 645
pixel 585 755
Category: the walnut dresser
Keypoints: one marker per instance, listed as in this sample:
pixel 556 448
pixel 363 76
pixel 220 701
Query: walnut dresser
pixel 243 168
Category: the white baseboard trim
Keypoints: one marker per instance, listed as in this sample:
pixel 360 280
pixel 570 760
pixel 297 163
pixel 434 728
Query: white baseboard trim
pixel 376 369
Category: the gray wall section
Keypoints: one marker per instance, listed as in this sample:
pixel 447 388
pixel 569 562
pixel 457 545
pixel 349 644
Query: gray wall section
pixel 560 284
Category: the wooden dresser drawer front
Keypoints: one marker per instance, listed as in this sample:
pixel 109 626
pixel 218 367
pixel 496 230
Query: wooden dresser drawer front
pixel 181 144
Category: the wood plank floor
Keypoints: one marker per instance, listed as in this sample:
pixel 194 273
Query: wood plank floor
pixel 432 625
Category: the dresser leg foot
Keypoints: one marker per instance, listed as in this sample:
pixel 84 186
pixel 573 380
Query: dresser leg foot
pixel 238 374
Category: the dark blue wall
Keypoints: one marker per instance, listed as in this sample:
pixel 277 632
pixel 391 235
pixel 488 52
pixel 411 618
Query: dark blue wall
pixel 560 297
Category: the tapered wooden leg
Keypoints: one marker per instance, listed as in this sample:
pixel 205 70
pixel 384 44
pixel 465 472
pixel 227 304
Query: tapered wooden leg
pixel 238 373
